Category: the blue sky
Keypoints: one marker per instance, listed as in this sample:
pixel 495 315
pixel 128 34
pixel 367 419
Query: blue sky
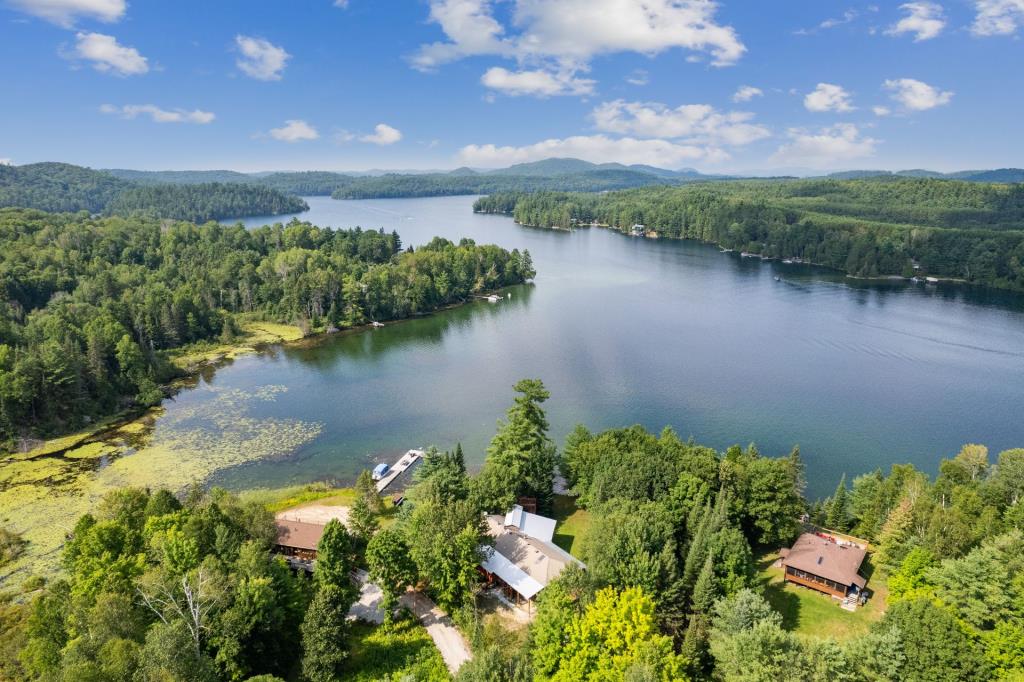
pixel 320 84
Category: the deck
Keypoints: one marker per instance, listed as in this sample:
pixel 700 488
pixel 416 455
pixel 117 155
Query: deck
pixel 400 467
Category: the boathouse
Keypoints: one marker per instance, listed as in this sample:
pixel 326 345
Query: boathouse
pixel 524 559
pixel 824 564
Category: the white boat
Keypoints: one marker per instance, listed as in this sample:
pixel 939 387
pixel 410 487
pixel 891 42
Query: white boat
pixel 375 323
pixel 787 261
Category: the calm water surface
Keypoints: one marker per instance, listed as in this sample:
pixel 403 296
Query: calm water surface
pixel 659 333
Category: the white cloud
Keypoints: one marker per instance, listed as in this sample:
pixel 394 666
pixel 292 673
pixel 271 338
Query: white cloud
pixel 260 59
pixel 383 134
pixel 828 148
pixel 564 36
pixel 745 93
pixel 65 12
pixel 638 77
pixel 594 148
pixel 924 19
pixel 881 111
pixel 109 56
pixel 828 97
pixel 915 95
pixel 537 83
pixel 159 115
pixel 341 3
pixel 697 123
pixel 294 130
pixel 997 17
pixel 848 16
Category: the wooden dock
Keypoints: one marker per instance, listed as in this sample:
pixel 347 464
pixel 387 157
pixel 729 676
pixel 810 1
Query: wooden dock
pixel 400 467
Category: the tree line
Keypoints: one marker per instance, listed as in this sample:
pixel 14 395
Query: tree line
pixel 61 187
pixel 868 228
pixel 92 305
pixel 446 184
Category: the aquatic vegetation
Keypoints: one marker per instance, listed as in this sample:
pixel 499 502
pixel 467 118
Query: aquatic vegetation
pixel 41 497
pixel 254 335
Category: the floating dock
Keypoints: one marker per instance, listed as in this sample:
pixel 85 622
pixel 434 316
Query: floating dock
pixel 400 467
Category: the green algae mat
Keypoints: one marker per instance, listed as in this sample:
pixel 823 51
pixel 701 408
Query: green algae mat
pixel 43 492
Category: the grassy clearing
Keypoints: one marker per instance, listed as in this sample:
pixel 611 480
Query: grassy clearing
pixel 573 523
pixel 280 499
pixel 406 652
pixel 813 614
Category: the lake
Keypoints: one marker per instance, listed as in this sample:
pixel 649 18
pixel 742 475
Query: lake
pixel 623 331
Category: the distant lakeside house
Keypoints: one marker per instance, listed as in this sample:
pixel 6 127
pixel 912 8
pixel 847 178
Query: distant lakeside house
pixel 823 564
pixel 524 560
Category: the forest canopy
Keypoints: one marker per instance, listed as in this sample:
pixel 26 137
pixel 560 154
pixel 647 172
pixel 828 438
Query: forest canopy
pixel 61 187
pixel 867 228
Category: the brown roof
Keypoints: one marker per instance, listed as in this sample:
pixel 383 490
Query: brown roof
pixel 827 559
pixel 298 534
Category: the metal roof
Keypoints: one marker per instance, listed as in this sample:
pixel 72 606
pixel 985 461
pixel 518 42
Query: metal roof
pixel 516 577
pixel 533 525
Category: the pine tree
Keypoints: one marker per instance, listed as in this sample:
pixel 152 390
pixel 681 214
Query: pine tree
pixel 837 518
pixel 367 489
pixel 705 591
pixel 892 541
pixel 362 521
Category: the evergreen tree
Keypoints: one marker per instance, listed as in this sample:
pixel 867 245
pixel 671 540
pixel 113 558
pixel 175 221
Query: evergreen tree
pixel 521 458
pixel 366 488
pixel 362 521
pixel 334 557
pixel 837 518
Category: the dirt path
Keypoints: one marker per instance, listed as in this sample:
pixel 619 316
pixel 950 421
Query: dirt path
pixel 447 638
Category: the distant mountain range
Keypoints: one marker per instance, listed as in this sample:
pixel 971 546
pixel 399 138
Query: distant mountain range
pixel 546 168
pixel 204 194
pixel 999 175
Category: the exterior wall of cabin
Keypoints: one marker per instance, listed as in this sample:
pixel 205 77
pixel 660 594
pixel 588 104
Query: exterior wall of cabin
pixel 815 582
pixel 307 554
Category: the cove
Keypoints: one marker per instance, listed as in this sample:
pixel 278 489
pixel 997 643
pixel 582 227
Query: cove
pixel 657 332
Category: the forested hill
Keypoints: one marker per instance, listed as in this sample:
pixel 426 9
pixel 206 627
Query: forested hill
pixel 445 184
pixel 89 304
pixel 869 228
pixel 210 201
pixel 60 187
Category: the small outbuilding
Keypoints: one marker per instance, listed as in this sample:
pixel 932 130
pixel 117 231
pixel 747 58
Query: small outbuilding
pixel 824 564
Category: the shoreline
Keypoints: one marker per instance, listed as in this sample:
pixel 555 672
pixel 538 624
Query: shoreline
pixel 193 362
pixel 865 278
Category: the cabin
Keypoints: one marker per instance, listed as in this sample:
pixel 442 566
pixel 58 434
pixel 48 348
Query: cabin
pixel 824 564
pixel 297 538
pixel 524 560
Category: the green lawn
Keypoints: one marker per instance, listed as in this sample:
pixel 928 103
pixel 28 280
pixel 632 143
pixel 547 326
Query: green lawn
pixel 572 523
pixel 811 613
pixel 406 652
